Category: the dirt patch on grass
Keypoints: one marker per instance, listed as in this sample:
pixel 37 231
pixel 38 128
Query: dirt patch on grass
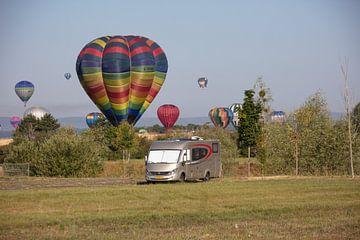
pixel 14 183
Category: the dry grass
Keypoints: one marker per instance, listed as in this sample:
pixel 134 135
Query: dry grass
pixel 5 141
pixel 133 169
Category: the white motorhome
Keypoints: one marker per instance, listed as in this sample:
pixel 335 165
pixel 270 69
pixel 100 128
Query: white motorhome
pixel 183 159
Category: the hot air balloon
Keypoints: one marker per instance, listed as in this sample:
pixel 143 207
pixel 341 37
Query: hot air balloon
pixel 122 75
pixel 15 121
pixel 24 90
pixel 277 117
pixel 92 119
pixel 168 114
pixel 37 111
pixel 67 76
pixel 235 107
pixel 221 117
pixel 202 82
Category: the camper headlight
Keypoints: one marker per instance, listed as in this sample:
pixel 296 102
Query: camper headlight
pixel 173 171
pixel 147 172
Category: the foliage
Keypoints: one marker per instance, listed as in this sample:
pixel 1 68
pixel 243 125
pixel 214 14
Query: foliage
pixel 32 128
pixel 356 117
pixel 64 154
pixel 322 143
pixel 249 128
pixel 121 139
pixel 4 151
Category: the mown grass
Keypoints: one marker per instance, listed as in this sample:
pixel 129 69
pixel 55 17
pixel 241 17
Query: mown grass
pixel 228 208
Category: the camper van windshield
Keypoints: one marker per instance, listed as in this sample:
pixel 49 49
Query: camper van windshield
pixel 163 156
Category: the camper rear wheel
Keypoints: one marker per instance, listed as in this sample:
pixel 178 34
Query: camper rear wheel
pixel 182 177
pixel 207 177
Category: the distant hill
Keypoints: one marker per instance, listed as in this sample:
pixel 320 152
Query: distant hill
pixel 79 122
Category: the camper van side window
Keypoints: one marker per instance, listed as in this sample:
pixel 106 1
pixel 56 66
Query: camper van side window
pixel 198 153
pixel 215 147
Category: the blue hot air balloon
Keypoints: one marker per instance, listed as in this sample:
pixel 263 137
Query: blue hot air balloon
pixel 24 90
pixel 67 76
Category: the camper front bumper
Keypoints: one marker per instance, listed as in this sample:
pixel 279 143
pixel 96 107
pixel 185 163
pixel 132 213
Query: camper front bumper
pixel 161 176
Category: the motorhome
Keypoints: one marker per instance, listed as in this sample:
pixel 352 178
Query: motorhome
pixel 183 160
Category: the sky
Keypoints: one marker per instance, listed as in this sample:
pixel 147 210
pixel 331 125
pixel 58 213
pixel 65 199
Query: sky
pixel 296 46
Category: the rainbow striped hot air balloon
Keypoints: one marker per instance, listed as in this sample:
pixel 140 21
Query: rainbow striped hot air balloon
pixel 24 90
pixel 221 117
pixel 122 75
pixel 93 118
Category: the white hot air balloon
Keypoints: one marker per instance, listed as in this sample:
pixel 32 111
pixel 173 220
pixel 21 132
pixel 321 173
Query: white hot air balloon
pixel 37 111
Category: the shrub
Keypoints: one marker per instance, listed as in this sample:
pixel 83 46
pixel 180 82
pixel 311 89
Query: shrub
pixel 64 154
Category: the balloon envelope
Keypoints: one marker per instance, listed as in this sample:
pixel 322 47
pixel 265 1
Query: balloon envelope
pixel 24 90
pixel 235 107
pixel 202 82
pixel 14 121
pixel 122 75
pixel 221 117
pixel 67 76
pixel 168 115
pixel 37 111
pixel 93 118
pixel 277 117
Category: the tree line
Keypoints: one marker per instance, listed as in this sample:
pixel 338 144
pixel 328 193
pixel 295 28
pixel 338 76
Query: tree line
pixel 308 142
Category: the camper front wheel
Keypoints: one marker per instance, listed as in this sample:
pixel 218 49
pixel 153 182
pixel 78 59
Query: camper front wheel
pixel 182 177
pixel 207 177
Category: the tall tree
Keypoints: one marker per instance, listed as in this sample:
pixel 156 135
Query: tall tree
pixel 249 127
pixel 344 70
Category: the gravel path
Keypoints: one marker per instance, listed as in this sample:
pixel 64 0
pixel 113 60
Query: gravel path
pixel 13 183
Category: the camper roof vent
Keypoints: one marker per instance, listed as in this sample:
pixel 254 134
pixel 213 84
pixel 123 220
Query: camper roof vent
pixel 196 138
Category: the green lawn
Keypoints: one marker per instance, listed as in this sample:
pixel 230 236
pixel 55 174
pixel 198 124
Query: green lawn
pixel 228 208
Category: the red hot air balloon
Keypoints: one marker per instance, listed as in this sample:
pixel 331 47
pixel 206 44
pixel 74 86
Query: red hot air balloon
pixel 168 114
pixel 221 117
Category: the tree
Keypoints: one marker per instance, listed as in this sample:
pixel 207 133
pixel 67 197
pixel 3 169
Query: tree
pixel 313 129
pixel 63 154
pixel 121 139
pixel 35 129
pixel 344 71
pixel 356 118
pixel 249 127
pixel 263 99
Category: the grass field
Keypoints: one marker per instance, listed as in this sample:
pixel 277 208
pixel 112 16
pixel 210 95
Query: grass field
pixel 227 208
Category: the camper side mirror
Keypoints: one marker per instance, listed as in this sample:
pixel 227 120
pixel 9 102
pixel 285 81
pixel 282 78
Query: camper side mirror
pixel 145 159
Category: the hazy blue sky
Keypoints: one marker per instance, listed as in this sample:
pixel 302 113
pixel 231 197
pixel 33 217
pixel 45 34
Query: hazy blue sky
pixel 295 45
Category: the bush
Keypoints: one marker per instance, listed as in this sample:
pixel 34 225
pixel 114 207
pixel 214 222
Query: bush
pixel 64 154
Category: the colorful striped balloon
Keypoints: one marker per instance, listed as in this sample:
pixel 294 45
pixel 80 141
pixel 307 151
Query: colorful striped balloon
pixel 24 90
pixel 122 75
pixel 168 115
pixel 93 118
pixel 221 117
